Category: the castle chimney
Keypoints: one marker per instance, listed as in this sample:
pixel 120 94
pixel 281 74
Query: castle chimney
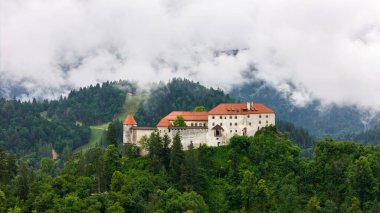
pixel 249 106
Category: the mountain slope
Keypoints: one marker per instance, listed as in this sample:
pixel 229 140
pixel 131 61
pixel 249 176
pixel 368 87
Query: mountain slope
pixel 320 121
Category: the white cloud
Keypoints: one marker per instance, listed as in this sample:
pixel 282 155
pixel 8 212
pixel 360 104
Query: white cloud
pixel 328 49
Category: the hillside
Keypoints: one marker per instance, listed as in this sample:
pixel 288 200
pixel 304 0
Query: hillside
pixel 370 136
pixel 34 128
pixel 79 121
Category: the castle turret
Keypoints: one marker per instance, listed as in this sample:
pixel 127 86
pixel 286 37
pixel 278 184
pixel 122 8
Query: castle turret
pixel 127 129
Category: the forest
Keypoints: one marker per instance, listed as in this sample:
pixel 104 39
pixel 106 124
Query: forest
pixel 33 128
pixel 280 169
pixel 264 173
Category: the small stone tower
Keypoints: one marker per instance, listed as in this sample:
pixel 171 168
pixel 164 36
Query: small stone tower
pixel 129 123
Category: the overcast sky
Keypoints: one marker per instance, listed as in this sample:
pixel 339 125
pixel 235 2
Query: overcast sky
pixel 327 49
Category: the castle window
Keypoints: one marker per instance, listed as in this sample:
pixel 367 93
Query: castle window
pixel 235 130
pixel 213 117
pixel 221 117
pixel 235 124
pixel 266 121
pixel 192 124
pixel 230 116
pixel 259 122
pixel 221 124
pixel 230 124
pixel 230 131
pixel 196 124
pixel 213 124
pixel 250 123
pixel 258 128
pixel 259 116
pixel 235 117
pixel 266 116
pixel 248 116
pixel 225 117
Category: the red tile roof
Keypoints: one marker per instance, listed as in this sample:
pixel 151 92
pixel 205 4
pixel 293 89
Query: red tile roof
pixel 239 109
pixel 130 120
pixel 187 115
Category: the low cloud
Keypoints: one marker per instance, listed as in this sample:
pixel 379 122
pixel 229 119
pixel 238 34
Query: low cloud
pixel 327 50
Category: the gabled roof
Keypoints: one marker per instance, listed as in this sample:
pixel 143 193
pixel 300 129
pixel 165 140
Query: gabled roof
pixel 239 109
pixel 218 127
pixel 187 116
pixel 130 120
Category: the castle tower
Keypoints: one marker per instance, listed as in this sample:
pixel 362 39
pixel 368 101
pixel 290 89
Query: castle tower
pixel 128 124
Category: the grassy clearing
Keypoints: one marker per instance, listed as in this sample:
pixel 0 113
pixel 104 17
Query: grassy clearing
pixel 95 139
pixel 130 106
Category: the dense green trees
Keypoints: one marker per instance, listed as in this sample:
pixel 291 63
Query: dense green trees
pixel 264 173
pixel 34 128
pixel 92 105
pixel 300 136
pixel 178 94
pixel 25 130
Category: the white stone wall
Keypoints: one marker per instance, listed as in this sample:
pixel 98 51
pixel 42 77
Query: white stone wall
pixel 131 135
pixel 139 133
pixel 188 135
pixel 235 124
pixel 126 133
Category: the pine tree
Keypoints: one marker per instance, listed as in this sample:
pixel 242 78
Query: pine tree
pixel 176 159
pixel 155 148
pixel 189 176
pixel 112 134
pixel 111 163
pixel 165 155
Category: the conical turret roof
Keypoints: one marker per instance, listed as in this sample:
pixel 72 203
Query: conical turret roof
pixel 130 120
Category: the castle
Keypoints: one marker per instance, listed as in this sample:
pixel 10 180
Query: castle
pixel 213 128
